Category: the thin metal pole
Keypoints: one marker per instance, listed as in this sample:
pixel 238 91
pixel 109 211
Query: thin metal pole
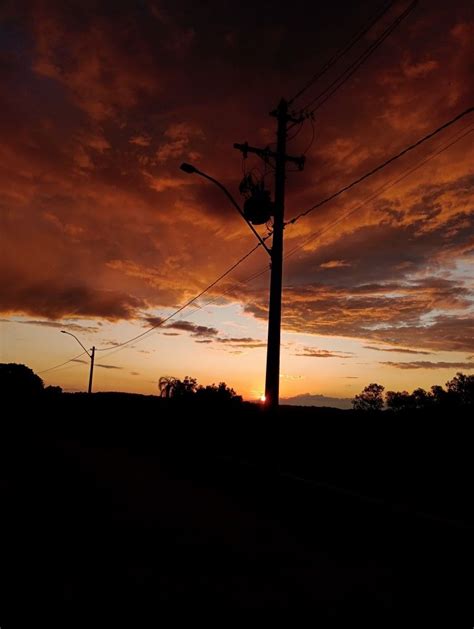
pixel 91 369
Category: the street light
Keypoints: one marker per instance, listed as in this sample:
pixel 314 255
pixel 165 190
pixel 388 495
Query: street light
pixel 190 169
pixel 91 356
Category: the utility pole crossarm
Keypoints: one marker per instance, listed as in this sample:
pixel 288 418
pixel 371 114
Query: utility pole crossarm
pixel 266 153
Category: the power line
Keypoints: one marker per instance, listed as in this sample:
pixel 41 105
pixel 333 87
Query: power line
pixel 382 165
pixel 379 191
pixel 313 133
pixel 342 51
pixel 382 189
pixel 300 127
pixel 247 280
pixel 64 363
pixel 453 140
pixel 229 290
pixel 75 363
pixel 188 303
pixel 355 65
pixel 292 221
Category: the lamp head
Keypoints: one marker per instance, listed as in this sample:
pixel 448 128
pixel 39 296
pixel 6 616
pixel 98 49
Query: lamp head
pixel 188 168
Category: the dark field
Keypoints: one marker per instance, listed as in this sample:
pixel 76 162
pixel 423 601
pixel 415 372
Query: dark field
pixel 124 506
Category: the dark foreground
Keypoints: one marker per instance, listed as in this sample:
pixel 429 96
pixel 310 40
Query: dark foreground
pixel 130 508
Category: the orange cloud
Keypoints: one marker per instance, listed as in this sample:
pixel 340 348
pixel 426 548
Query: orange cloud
pixel 100 107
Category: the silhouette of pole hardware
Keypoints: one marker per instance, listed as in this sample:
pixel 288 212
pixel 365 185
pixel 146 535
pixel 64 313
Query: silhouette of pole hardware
pixel 190 169
pixel 266 153
pixel 91 356
pixel 279 159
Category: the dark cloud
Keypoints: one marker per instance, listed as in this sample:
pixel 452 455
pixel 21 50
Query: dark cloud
pixel 184 326
pixel 193 329
pixel 386 252
pixel 397 350
pixel 426 364
pixel 55 302
pixel 154 321
pixel 86 362
pixel 110 343
pixel 322 353
pixel 443 333
pixel 74 327
pixel 244 342
pixel 231 344
pixel 402 315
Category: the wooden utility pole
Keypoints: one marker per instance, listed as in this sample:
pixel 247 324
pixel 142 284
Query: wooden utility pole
pixel 272 380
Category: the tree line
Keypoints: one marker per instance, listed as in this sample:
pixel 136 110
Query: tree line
pixel 459 393
pixel 188 388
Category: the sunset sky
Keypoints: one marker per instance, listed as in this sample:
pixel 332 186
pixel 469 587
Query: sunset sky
pixel 103 235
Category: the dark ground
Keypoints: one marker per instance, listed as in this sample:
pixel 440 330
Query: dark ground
pixel 124 506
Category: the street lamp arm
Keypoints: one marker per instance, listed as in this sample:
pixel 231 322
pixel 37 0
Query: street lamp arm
pixel 75 337
pixel 188 168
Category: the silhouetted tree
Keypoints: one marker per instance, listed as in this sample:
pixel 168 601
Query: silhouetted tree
pixel 439 396
pixel 399 401
pixel 219 393
pixel 461 390
pixel 185 388
pixel 189 388
pixel 371 398
pixel 166 385
pixel 19 380
pixel 52 391
pixel 421 399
